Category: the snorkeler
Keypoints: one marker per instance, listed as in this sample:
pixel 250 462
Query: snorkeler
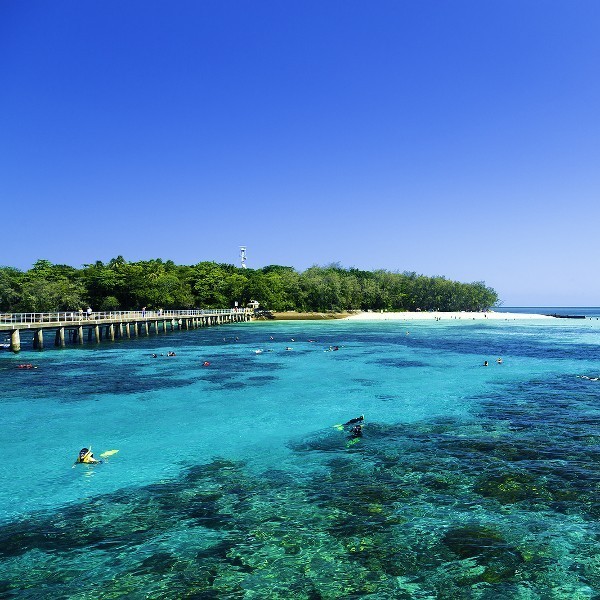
pixel 86 456
pixel 356 432
pixel 355 420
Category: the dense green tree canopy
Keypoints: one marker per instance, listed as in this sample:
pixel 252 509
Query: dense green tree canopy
pixel 155 284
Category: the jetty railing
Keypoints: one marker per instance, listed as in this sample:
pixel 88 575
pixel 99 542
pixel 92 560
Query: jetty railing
pixel 121 315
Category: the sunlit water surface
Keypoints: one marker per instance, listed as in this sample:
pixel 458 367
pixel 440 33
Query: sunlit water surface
pixel 231 480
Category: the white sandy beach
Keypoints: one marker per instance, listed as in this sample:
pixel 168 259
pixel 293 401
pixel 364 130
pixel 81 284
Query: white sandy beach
pixel 443 316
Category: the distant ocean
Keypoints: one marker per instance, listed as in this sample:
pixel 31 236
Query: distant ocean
pixel 586 311
pixel 238 480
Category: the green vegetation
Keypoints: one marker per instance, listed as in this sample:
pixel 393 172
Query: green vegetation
pixel 122 285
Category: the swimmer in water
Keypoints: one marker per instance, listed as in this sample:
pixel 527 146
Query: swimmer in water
pixel 355 420
pixel 356 432
pixel 86 456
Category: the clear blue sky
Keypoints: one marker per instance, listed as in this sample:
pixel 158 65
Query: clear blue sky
pixel 449 138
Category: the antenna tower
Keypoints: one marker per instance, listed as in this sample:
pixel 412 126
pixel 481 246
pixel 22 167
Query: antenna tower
pixel 243 256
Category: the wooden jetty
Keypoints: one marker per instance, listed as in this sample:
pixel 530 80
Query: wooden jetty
pixel 76 327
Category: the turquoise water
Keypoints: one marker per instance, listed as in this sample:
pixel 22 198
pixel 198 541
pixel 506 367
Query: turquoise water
pixel 231 481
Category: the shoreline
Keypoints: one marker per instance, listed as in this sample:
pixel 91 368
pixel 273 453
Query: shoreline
pixel 444 316
pixel 292 315
pixel 407 316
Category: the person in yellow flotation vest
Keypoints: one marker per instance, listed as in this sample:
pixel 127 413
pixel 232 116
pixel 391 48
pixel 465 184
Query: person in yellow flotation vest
pixel 86 456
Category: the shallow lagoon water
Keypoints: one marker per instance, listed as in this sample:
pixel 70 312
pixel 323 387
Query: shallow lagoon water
pixel 231 481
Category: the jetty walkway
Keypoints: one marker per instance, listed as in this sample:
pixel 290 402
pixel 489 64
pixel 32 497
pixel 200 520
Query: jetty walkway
pixel 75 327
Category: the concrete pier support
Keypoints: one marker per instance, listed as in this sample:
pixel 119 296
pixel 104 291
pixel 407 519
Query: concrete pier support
pixel 97 333
pixel 136 329
pixel 38 339
pixel 80 335
pixel 15 341
pixel 165 326
pixel 111 332
pixel 59 340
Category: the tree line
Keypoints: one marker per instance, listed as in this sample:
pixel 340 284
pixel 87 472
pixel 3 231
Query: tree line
pixel 122 285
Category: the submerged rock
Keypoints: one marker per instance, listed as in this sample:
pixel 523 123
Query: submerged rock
pixel 488 548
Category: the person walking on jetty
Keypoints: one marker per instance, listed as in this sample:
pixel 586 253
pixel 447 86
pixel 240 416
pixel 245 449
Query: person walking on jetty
pixel 89 312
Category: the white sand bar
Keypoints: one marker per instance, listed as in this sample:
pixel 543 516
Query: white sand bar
pixel 465 316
